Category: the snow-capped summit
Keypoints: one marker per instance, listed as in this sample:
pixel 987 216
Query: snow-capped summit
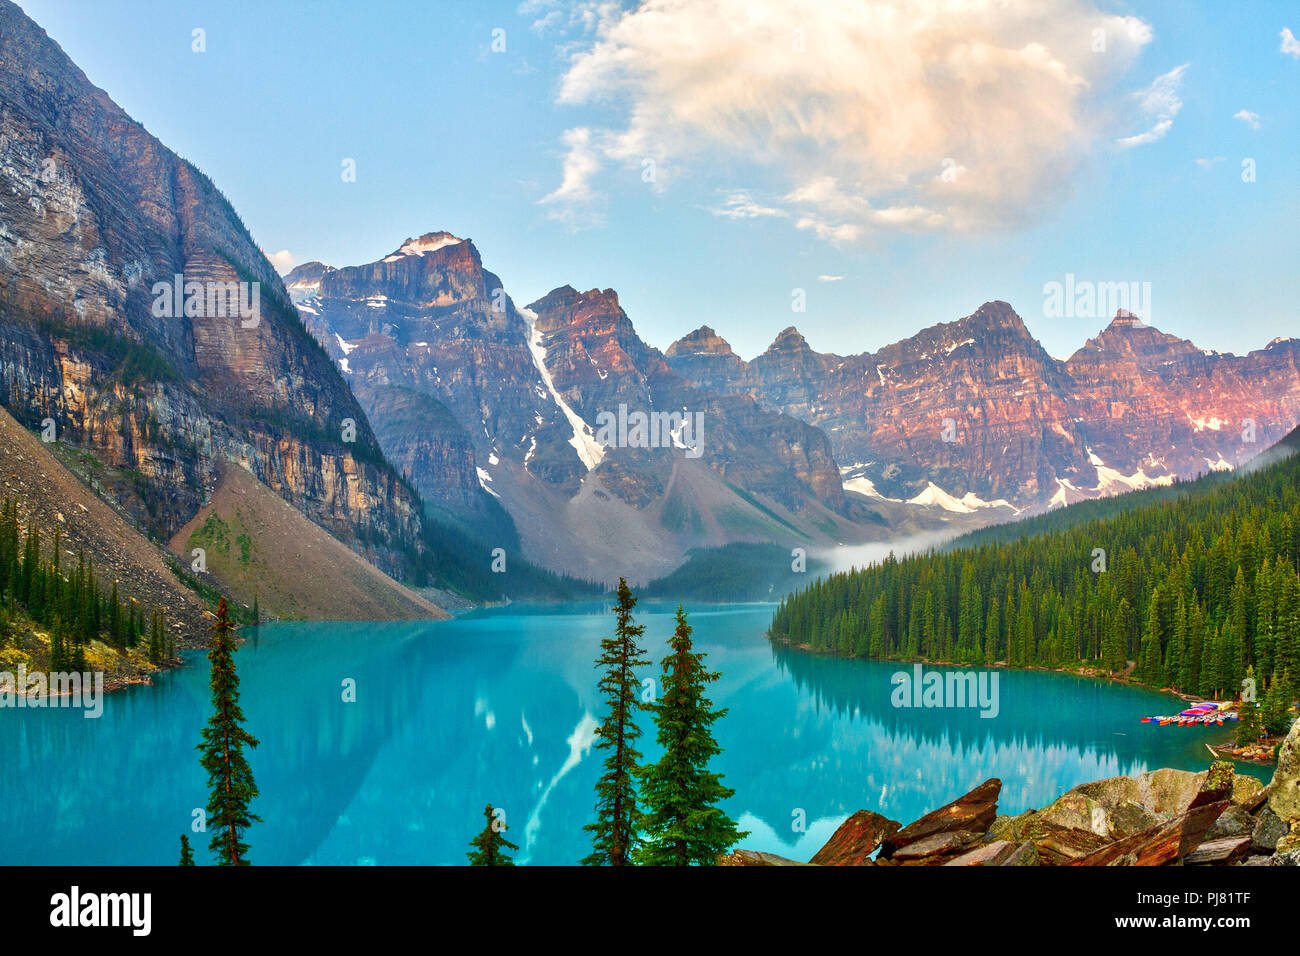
pixel 429 242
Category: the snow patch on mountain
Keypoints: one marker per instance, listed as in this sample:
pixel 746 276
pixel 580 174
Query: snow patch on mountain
pixel 935 496
pixel 1065 494
pixel 485 481
pixel 430 243
pixel 865 486
pixel 1214 423
pixel 590 451
pixel 975 502
pixel 1111 481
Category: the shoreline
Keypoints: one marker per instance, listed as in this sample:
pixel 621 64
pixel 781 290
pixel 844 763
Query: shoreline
pixel 1225 750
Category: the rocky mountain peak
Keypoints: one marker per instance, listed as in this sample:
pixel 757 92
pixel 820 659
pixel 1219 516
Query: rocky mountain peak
pixel 1124 319
pixel 1128 335
pixel 429 242
pixel 703 341
pixel 565 307
pixel 303 281
pixel 559 298
pixel 307 272
pixel 789 340
pixel 996 314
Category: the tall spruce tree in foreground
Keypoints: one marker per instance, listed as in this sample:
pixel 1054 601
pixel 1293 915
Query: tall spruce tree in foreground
pixel 230 779
pixel 187 854
pixel 615 832
pixel 683 824
pixel 489 846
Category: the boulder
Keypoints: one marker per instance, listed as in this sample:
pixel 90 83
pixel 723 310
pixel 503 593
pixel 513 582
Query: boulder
pixel 1288 850
pixel 990 854
pixel 1163 844
pixel 856 839
pixel 1130 818
pixel 1217 785
pixel 1165 792
pixel 974 812
pixel 1057 845
pixel 1010 828
pixel 1233 822
pixel 1268 831
pixel 1024 855
pixel 756 858
pixel 1248 792
pixel 1284 796
pixel 1222 852
pixel 1077 811
pixel 936 847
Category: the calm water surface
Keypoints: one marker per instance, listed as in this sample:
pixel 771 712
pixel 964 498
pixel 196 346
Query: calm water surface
pixel 500 707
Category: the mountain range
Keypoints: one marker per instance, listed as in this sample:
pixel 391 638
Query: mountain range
pixel 977 409
pixel 474 397
pixel 413 410
pixel 964 423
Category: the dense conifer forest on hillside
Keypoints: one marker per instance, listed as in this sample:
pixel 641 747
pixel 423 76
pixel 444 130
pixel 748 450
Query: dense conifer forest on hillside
pixel 1194 587
pixel 68 600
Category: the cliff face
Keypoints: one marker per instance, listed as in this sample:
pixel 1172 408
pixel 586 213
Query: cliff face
pixel 94 214
pixel 978 406
pixel 599 363
pixel 438 356
pixel 1157 402
pixel 473 396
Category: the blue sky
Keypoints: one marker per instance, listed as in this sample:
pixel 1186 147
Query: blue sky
pixel 794 147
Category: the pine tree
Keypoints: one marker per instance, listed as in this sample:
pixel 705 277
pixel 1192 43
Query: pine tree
pixel 1249 725
pixel 1149 661
pixel 490 844
pixel 187 854
pixel 1276 710
pixel 230 779
pixel 58 653
pixel 615 833
pixel 683 824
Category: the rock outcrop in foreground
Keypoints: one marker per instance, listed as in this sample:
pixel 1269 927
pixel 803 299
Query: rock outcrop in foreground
pixel 1165 817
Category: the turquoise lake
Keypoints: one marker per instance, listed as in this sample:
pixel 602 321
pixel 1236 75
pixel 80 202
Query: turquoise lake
pixel 499 706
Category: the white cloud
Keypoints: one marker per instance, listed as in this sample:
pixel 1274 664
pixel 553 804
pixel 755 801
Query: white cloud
pixel 739 204
pixel 1160 102
pixel 1290 45
pixel 581 163
pixel 1247 117
pixel 829 278
pixel 1150 136
pixel 551 15
pixel 1209 163
pixel 855 110
pixel 283 261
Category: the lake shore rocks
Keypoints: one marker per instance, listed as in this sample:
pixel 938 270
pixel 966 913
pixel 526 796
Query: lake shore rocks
pixel 972 813
pixel 1160 818
pixel 856 839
